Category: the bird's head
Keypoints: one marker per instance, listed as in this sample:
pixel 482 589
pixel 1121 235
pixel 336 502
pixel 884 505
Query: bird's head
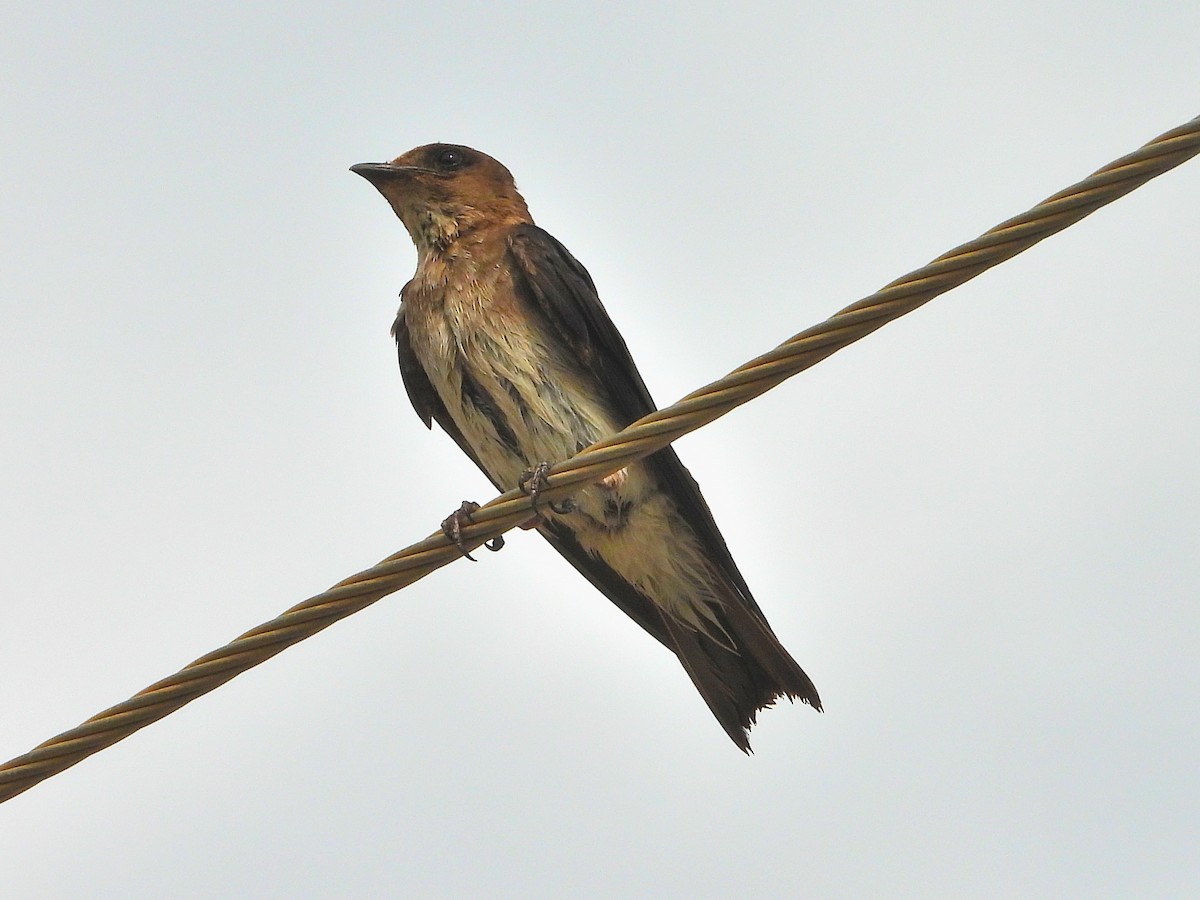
pixel 442 192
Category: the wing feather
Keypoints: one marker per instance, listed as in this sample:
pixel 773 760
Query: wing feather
pixel 559 287
pixel 421 393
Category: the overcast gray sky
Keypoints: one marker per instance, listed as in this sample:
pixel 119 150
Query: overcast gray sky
pixel 976 529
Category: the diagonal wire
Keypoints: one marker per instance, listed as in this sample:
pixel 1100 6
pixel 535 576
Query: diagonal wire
pixel 640 439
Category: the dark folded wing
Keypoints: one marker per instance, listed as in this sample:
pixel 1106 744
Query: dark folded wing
pixel 424 398
pixel 555 284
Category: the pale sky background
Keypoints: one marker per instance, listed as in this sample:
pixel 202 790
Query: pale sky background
pixel 976 529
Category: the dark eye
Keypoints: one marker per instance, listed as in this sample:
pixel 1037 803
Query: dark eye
pixel 450 159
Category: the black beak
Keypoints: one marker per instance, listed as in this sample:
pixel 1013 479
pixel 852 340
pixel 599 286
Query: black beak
pixel 379 172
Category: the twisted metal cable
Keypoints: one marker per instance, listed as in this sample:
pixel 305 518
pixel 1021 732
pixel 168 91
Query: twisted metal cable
pixel 643 437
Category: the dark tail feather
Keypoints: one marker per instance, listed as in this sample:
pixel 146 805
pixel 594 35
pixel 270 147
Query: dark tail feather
pixel 737 684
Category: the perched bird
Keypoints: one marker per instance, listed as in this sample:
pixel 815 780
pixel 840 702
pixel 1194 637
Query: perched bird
pixel 504 343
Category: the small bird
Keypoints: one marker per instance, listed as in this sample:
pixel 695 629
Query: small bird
pixel 503 341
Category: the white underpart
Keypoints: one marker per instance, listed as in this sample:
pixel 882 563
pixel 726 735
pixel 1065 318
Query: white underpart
pixel 647 541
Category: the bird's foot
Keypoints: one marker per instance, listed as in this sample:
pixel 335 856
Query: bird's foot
pixel 534 481
pixel 452 527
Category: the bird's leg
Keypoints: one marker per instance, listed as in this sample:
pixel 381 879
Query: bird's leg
pixel 534 481
pixel 452 527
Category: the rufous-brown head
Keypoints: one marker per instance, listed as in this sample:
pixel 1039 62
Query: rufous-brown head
pixel 444 192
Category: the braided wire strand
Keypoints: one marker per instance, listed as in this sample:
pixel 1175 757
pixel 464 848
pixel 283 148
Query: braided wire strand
pixel 640 439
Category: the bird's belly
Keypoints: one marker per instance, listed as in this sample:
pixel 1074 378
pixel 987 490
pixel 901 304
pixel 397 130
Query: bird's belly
pixel 518 404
